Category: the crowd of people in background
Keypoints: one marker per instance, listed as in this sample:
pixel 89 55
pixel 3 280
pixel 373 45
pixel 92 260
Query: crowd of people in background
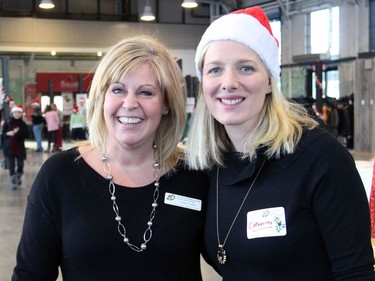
pixel 336 116
pixel 45 124
pixel 49 123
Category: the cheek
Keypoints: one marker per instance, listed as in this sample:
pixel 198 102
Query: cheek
pixel 208 87
pixel 259 86
pixel 108 103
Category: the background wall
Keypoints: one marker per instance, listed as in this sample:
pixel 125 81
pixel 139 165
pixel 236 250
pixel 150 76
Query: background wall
pixel 34 38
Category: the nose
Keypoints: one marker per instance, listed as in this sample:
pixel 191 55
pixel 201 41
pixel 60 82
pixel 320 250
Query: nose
pixel 230 81
pixel 130 101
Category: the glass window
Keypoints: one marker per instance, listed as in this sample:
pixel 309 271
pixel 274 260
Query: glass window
pixel 276 30
pixel 325 31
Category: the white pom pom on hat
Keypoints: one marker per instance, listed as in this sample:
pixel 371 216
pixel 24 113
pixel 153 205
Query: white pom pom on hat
pixel 248 26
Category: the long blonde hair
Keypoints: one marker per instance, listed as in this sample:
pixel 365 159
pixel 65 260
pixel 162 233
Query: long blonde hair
pixel 122 59
pixel 279 129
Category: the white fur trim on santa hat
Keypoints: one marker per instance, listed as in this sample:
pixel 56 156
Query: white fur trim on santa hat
pixel 16 108
pixel 246 30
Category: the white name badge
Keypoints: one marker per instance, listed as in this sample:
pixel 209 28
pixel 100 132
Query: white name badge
pixel 182 201
pixel 266 223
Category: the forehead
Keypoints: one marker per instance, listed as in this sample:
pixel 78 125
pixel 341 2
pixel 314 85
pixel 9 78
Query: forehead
pixel 140 74
pixel 231 49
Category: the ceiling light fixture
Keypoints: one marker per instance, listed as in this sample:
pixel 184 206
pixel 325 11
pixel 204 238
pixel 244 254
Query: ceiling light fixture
pixel 147 13
pixel 46 4
pixel 189 4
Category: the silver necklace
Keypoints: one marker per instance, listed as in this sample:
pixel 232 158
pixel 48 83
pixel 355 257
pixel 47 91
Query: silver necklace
pixel 112 190
pixel 221 253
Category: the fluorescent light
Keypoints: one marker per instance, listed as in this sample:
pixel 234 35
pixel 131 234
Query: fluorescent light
pixel 189 4
pixel 46 4
pixel 147 13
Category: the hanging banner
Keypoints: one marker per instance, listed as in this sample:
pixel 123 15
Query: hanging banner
pixel 68 103
pixel 63 82
pixel 30 95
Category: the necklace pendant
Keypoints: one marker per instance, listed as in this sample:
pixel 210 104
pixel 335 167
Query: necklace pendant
pixel 221 255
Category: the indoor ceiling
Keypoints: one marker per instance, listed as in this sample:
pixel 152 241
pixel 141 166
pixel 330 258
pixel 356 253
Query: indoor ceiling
pixel 166 12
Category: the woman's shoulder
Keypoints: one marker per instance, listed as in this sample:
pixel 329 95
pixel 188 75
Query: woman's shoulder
pixel 319 145
pixel 188 182
pixel 62 160
pixel 186 174
pixel 320 139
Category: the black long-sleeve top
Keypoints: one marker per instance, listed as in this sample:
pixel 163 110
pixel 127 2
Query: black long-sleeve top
pixel 305 219
pixel 70 223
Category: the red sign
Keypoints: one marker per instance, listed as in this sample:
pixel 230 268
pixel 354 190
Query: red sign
pixel 30 95
pixel 63 82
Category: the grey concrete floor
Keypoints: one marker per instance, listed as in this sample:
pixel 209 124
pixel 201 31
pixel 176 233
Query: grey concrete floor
pixel 12 208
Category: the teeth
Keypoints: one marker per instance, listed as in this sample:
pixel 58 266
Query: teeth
pixel 127 120
pixel 231 102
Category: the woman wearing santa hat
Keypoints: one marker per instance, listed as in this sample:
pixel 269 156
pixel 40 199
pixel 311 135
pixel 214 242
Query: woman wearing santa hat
pixel 14 133
pixel 286 201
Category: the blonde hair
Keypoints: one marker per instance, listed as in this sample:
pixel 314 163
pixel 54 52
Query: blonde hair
pixel 122 59
pixel 279 129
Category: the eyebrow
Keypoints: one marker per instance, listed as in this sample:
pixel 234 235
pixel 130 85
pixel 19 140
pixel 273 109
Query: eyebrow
pixel 240 61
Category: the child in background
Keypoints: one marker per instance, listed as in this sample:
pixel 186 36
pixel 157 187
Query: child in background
pixel 77 124
pixel 14 133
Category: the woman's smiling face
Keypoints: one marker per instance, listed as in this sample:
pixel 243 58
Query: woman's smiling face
pixel 133 108
pixel 235 83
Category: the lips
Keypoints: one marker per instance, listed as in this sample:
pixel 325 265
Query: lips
pixel 129 120
pixel 231 101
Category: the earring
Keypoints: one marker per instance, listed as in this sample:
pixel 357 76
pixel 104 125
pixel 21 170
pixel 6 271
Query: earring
pixel 269 91
pixel 166 112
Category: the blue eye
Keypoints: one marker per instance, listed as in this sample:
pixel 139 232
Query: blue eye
pixel 247 68
pixel 146 93
pixel 117 91
pixel 213 70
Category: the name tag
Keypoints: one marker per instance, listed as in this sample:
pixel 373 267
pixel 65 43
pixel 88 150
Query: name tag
pixel 182 201
pixel 266 223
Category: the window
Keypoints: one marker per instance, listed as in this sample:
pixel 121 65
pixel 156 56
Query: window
pixel 276 30
pixel 324 27
pixel 325 31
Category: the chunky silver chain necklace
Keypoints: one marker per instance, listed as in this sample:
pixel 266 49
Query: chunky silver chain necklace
pixel 112 190
pixel 221 253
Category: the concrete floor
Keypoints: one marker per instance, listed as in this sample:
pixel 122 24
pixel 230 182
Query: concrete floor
pixel 12 208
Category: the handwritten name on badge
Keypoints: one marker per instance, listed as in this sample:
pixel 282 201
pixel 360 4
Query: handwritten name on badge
pixel 266 223
pixel 182 201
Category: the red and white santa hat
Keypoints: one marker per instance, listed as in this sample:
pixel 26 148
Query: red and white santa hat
pixel 36 102
pixel 17 108
pixel 248 26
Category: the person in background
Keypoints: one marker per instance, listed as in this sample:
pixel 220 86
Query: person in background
pixel 77 125
pixel 14 134
pixel 53 123
pixel 83 110
pixel 286 201
pixel 38 124
pixel 11 104
pixel 129 209
pixel 57 146
pixel 5 116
